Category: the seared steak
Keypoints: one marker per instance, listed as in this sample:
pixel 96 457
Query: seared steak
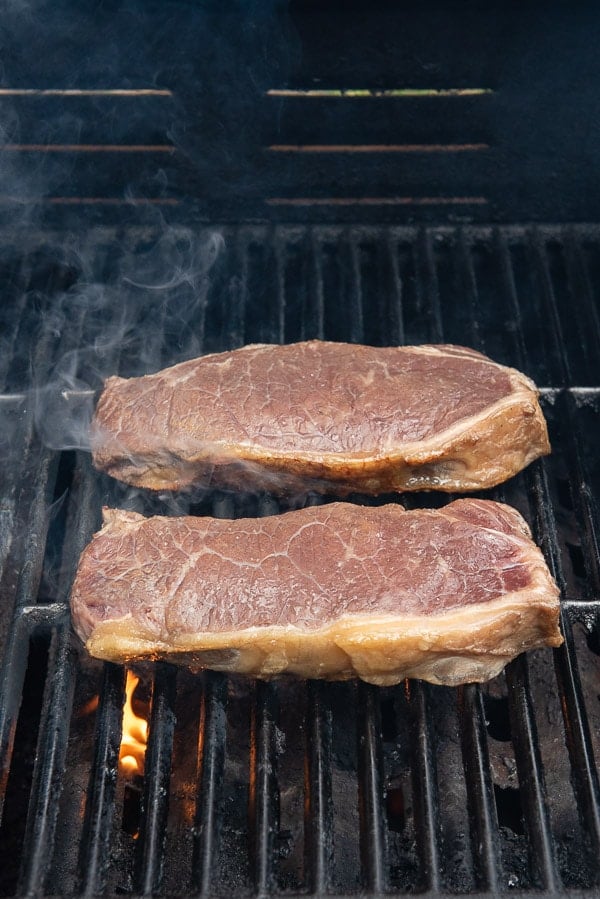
pixel 330 591
pixel 325 416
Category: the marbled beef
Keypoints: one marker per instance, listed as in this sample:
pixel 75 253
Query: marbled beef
pixel 331 417
pixel 330 591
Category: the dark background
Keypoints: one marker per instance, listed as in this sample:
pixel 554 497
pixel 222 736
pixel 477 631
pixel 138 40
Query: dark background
pixel 535 129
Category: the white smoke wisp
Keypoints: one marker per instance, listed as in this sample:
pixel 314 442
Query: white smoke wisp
pixel 149 313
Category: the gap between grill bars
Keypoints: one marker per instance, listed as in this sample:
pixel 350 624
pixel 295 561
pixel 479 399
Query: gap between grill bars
pixel 292 788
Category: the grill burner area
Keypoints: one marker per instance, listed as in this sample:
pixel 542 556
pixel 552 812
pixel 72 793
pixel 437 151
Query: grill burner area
pixel 292 787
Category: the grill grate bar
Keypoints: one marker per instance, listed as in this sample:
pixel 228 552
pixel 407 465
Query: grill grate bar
pixel 540 258
pixel 579 742
pixel 425 792
pixel 264 792
pixel 318 818
pixel 211 757
pixel 581 493
pixel 585 774
pixel 588 514
pixel 234 330
pixel 84 515
pixel 14 666
pixel 427 285
pixel 357 325
pixel 280 289
pixel 60 685
pixel 582 292
pixel 94 856
pixel 95 846
pixel 373 847
pixel 543 859
pixel 157 777
pixel 10 340
pixel 544 529
pixel 318 329
pixel 38 468
pixel 469 287
pixel 510 291
pixel 480 795
pixel 38 507
pixel 530 773
pixel 50 762
pixel 395 287
pixel 31 556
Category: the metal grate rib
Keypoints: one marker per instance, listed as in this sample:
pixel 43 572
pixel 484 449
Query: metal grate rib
pixel 286 800
pixel 318 802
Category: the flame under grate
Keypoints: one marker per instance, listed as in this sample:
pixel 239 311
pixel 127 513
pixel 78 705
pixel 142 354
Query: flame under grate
pixel 289 787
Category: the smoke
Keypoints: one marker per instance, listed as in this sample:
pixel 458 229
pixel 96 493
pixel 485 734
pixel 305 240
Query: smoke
pixel 93 289
pixel 150 312
pixel 180 75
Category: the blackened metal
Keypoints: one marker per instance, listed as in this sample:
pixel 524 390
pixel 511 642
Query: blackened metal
pixel 83 518
pixel 313 319
pixel 17 787
pixel 394 288
pixel 157 775
pixel 583 766
pixel 425 790
pixel 12 676
pixel 585 773
pixel 583 497
pixel 318 804
pixel 357 328
pixel 34 501
pixel 280 258
pixel 264 789
pixel 480 793
pixel 326 282
pixel 428 287
pixel 371 791
pixel 467 287
pixel 97 829
pixel 38 499
pixel 531 778
pixel 211 761
pixel 509 290
pixel 50 762
pixel 581 292
pixel 560 353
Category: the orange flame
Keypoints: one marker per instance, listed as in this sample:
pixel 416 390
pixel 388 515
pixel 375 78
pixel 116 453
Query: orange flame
pixel 135 732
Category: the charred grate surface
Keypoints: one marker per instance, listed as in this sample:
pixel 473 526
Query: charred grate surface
pixel 292 788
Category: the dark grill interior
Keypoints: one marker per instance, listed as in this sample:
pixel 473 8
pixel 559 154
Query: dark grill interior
pixel 301 111
pixel 289 787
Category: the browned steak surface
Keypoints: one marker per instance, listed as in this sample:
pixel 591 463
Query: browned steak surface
pixel 332 591
pixel 340 416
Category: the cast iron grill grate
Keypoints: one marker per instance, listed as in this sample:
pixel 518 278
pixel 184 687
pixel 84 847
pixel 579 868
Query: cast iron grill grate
pixel 288 788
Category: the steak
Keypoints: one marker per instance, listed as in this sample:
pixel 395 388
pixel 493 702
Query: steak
pixel 332 592
pixel 330 417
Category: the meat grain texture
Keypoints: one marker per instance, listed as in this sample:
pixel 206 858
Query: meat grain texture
pixel 331 417
pixel 332 591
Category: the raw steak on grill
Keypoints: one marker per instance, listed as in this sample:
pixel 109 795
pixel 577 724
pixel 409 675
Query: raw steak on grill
pixel 330 591
pixel 331 417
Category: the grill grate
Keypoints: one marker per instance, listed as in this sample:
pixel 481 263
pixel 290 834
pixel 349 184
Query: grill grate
pixel 274 788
